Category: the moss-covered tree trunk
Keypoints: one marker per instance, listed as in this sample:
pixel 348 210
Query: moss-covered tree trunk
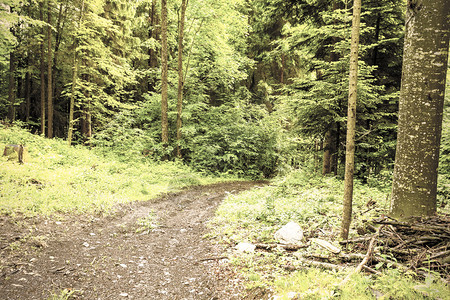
pixel 421 106
pixel 351 122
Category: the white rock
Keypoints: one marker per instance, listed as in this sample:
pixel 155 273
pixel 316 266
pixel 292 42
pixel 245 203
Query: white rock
pixel 291 233
pixel 245 247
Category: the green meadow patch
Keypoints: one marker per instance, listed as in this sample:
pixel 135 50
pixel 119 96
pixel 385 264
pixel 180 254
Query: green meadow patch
pixel 59 178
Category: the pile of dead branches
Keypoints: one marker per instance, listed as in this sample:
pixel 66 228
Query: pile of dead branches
pixel 418 245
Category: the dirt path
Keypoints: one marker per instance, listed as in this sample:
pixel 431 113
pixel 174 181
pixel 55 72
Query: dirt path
pixel 106 258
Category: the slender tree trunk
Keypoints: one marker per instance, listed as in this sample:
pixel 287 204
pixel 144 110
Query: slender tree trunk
pixel 425 59
pixel 153 34
pixel 27 91
pixel 72 98
pixel 12 87
pixel 42 69
pixel 180 74
pixel 164 75
pixel 49 74
pixel 326 164
pixel 74 81
pixel 351 122
pixel 377 38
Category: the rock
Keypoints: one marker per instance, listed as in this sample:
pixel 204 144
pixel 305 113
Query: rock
pixel 291 233
pixel 245 247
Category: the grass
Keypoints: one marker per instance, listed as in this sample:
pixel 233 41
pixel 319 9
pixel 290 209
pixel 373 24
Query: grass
pixel 60 179
pixel 315 202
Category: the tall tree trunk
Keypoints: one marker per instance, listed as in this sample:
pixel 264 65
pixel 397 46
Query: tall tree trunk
pixel 425 59
pixel 74 81
pixel 12 87
pixel 152 34
pixel 164 75
pixel 329 154
pixel 377 38
pixel 180 74
pixel 72 98
pixel 49 73
pixel 28 83
pixel 351 122
pixel 42 70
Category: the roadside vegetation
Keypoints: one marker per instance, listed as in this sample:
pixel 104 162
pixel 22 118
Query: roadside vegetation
pixel 315 203
pixel 57 178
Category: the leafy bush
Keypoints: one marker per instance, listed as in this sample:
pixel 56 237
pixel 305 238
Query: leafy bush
pixel 230 139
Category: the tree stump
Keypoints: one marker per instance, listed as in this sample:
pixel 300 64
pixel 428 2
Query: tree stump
pixel 15 152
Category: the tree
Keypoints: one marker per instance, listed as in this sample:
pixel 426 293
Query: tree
pixel 424 70
pixel 180 74
pixel 351 122
pixel 49 72
pixel 164 75
pixel 42 69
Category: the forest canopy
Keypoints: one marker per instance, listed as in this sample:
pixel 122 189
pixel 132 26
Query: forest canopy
pixel 264 83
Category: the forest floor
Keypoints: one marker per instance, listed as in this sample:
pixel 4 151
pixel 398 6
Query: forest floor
pixel 146 250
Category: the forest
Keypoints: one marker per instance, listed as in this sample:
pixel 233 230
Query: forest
pixel 345 98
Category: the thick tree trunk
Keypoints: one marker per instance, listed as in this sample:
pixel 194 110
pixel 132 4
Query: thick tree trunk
pixel 164 75
pixel 351 122
pixel 180 74
pixel 49 74
pixel 42 70
pixel 421 107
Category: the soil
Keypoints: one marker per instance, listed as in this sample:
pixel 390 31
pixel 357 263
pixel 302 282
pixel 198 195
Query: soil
pixel 113 257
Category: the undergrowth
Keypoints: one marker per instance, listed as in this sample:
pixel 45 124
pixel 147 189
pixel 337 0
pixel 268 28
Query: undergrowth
pixel 315 203
pixel 59 178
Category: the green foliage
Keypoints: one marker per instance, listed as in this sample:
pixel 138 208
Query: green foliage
pixel 314 201
pixel 59 178
pixel 230 139
pixel 302 196
pixel 316 284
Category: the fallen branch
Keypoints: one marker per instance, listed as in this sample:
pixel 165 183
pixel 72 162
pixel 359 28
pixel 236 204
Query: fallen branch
pixel 213 258
pixel 366 258
pixel 284 246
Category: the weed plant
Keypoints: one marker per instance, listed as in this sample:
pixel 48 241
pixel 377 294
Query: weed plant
pixel 63 179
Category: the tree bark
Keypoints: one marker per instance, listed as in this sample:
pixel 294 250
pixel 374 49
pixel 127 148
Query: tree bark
pixel 12 87
pixel 164 75
pixel 326 165
pixel 74 81
pixel 42 70
pixel 153 34
pixel 28 82
pixel 351 123
pixel 49 74
pixel 180 75
pixel 421 104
